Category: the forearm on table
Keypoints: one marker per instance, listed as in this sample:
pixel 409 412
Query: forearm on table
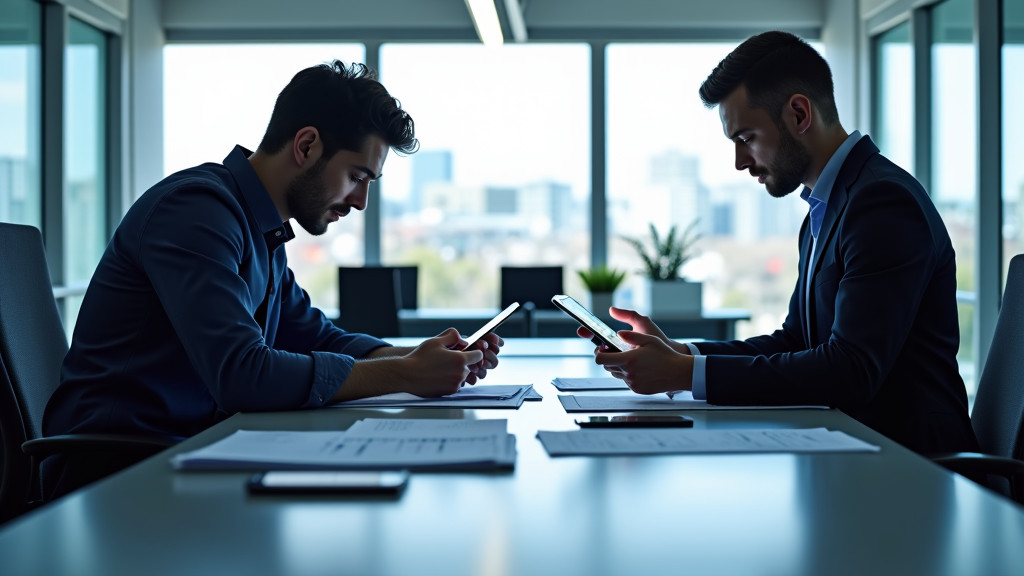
pixel 373 377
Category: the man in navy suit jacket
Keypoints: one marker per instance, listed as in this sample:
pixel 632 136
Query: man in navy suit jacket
pixel 872 326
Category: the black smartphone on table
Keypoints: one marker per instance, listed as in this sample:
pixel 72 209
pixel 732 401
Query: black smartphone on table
pixel 492 324
pixel 636 421
pixel 604 335
pixel 328 482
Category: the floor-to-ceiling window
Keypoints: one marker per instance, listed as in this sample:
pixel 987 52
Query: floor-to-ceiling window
pixel 503 176
pixel 1013 129
pixel 953 151
pixel 85 156
pixel 20 119
pixel 220 95
pixel 893 95
pixel 669 163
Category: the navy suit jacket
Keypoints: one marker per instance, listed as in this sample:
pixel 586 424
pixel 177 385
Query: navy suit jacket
pixel 881 338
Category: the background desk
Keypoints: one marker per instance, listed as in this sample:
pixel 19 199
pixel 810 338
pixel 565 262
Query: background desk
pixel 886 513
pixel 710 325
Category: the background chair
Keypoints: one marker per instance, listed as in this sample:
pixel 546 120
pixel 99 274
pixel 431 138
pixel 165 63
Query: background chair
pixel 408 285
pixel 531 286
pixel 998 414
pixel 32 348
pixel 369 298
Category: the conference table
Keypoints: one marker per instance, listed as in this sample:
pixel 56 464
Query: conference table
pixel 889 512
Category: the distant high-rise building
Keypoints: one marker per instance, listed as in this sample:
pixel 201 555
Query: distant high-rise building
pixel 688 197
pixel 551 200
pixel 14 180
pixel 428 167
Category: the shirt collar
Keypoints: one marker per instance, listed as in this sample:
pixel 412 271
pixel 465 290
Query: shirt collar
pixel 823 187
pixel 818 198
pixel 275 231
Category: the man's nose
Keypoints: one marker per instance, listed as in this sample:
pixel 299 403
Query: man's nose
pixel 360 196
pixel 743 160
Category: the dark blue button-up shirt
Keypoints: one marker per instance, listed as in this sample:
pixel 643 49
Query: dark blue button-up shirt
pixel 193 314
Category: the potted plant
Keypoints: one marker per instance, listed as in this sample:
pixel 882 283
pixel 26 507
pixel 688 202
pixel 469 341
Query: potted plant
pixel 601 281
pixel 666 291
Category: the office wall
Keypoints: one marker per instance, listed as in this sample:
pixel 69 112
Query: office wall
pixel 841 34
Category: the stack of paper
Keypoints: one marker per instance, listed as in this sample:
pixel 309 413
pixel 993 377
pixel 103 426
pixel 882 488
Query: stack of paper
pixel 371 443
pixel 675 441
pixel 605 383
pixel 629 402
pixel 489 396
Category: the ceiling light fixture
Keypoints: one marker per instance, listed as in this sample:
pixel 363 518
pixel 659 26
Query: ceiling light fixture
pixel 485 19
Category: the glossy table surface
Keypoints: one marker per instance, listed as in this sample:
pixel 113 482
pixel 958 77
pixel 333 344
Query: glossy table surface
pixel 890 512
pixel 548 323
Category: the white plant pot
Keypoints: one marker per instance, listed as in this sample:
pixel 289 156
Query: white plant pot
pixel 677 297
pixel 600 302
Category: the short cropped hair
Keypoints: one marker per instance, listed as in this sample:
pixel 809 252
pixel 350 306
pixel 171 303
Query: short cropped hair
pixel 345 104
pixel 773 66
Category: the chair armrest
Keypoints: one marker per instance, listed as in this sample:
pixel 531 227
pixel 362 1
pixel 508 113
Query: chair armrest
pixel 976 466
pixel 119 443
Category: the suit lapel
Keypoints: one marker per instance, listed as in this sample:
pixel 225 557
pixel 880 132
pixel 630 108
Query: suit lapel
pixel 838 197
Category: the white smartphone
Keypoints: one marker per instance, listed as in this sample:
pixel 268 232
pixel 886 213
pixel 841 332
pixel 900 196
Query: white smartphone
pixel 604 335
pixel 492 324
pixel 328 482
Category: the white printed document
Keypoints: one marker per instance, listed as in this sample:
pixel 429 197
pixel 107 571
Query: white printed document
pixel 371 443
pixel 479 396
pixel 641 441
pixel 630 402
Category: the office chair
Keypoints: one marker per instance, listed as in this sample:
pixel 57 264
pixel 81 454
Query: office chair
pixel 408 284
pixel 32 348
pixel 369 299
pixel 531 286
pixel 998 414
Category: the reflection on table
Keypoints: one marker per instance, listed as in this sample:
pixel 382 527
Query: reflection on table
pixel 532 347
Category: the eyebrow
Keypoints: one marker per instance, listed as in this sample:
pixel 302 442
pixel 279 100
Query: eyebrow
pixel 736 133
pixel 370 173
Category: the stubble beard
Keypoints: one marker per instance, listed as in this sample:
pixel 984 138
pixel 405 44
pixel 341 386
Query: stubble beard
pixel 306 198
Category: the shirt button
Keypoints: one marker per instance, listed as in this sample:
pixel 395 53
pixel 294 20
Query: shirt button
pixel 319 398
pixel 278 233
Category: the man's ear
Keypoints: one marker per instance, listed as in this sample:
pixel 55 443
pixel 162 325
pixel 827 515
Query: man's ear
pixel 800 109
pixel 306 146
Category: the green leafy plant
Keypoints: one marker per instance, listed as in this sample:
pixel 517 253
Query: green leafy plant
pixel 601 278
pixel 668 253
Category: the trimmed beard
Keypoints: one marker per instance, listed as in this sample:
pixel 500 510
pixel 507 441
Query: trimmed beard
pixel 789 167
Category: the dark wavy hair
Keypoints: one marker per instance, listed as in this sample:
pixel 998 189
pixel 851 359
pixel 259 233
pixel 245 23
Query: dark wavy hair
pixel 345 104
pixel 773 66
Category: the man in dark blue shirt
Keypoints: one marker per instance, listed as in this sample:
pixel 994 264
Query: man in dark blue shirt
pixel 193 314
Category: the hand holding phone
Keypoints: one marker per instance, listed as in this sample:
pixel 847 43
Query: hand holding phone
pixel 636 421
pixel 492 324
pixel 604 335
pixel 327 482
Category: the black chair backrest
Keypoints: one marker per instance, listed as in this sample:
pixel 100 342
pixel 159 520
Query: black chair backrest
pixel 535 284
pixel 408 285
pixel 998 414
pixel 32 348
pixel 369 299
